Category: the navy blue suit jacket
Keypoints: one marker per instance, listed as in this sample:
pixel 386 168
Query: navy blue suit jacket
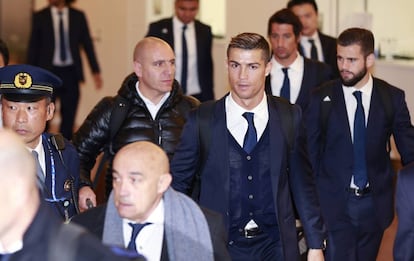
pixel 332 159
pixel 164 29
pixel 314 74
pixel 404 240
pixel 42 44
pixel 215 191
pixel 65 171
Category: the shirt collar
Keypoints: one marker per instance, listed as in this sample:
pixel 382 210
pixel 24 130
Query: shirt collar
pixel 39 147
pixel 314 36
pixel 366 89
pixel 156 217
pixel 232 108
pixel 148 101
pixel 297 64
pixel 179 24
pixel 55 10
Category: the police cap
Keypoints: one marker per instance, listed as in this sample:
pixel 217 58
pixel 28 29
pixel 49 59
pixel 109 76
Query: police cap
pixel 27 83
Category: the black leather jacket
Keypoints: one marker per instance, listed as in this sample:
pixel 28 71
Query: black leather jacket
pixel 165 130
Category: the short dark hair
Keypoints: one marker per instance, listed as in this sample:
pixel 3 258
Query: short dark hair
pixel 69 2
pixel 293 3
pixel 359 36
pixel 285 16
pixel 4 51
pixel 250 41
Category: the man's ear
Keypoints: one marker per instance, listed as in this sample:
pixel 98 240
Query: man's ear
pixel 50 111
pixel 164 182
pixel 370 60
pixel 138 69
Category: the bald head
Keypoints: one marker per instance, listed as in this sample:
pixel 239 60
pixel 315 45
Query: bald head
pixel 140 178
pixel 154 64
pixel 19 195
pixel 15 158
pixel 147 153
pixel 147 45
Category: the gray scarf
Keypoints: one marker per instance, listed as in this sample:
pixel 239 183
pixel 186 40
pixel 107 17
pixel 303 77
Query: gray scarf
pixel 186 229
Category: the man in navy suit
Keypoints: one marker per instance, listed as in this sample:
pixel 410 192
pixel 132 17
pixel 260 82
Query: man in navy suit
pixel 283 30
pixel 199 80
pixel 250 170
pixel 62 57
pixel 351 162
pixel 307 11
pixel 26 98
pixel 404 198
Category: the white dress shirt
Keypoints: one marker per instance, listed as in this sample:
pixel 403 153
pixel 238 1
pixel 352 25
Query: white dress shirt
pixel 306 46
pixel 351 105
pixel 55 19
pixel 237 124
pixel 193 85
pixel 149 240
pixel 295 74
pixel 152 107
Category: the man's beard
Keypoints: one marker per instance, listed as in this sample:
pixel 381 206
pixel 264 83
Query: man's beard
pixel 353 81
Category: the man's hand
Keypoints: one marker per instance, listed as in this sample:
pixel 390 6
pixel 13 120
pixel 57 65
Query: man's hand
pixel 98 81
pixel 315 255
pixel 86 193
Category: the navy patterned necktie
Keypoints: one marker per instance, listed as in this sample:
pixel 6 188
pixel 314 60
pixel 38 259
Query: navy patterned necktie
pixel 285 91
pixel 136 228
pixel 360 167
pixel 250 139
pixel 62 38
pixel 184 61
pixel 314 53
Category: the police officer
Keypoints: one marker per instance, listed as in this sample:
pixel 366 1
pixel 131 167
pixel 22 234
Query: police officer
pixel 27 105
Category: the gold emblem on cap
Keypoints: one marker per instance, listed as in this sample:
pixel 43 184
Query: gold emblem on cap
pixel 23 80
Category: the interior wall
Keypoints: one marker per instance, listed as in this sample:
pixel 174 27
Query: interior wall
pixel 116 26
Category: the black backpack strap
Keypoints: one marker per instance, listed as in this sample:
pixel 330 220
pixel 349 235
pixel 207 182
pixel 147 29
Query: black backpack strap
pixel 204 116
pixel 118 115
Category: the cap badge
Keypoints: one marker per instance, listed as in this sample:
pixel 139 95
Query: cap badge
pixel 23 80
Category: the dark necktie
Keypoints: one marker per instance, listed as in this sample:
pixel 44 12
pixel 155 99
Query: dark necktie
pixel 39 170
pixel 136 228
pixel 250 139
pixel 62 38
pixel 185 61
pixel 360 168
pixel 314 52
pixel 285 91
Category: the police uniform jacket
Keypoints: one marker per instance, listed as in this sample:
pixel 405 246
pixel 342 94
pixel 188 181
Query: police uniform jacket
pixel 62 177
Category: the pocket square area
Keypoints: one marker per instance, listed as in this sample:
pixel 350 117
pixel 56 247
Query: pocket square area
pixel 327 98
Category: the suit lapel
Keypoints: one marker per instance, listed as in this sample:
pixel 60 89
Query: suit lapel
pixel 220 144
pixel 277 146
pixel 339 111
pixel 164 250
pixel 307 80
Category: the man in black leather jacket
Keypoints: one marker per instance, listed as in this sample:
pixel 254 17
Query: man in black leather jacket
pixel 155 110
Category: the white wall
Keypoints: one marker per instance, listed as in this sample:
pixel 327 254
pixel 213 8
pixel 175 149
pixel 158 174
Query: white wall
pixel 117 25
